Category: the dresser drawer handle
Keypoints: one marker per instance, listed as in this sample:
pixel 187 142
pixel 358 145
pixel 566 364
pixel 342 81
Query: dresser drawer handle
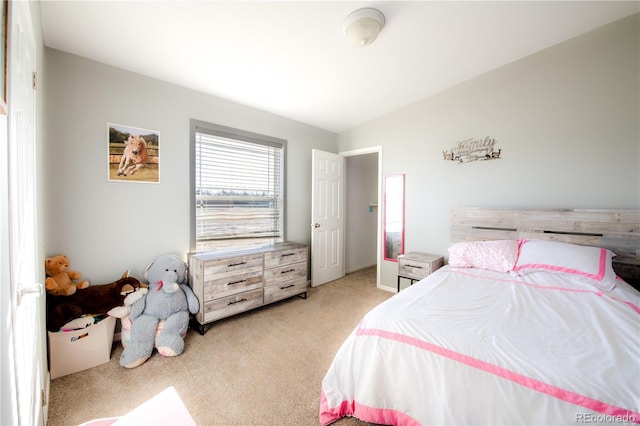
pixel 236 282
pixel 287 254
pixel 415 266
pixel 287 286
pixel 287 271
pixel 237 264
pixel 237 301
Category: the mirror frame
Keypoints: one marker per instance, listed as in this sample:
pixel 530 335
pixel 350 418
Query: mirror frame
pixel 393 216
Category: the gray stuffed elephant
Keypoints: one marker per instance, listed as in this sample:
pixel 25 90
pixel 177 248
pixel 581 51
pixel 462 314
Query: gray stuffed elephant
pixel 168 300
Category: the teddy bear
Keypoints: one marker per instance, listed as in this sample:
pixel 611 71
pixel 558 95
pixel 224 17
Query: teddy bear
pixel 59 277
pixel 168 299
pixel 93 300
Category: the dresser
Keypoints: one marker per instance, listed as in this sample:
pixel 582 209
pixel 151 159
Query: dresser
pixel 228 282
pixel 416 266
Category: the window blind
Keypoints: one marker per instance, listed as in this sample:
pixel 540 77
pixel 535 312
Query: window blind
pixel 238 187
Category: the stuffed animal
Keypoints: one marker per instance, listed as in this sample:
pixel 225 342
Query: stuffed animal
pixel 125 309
pixel 59 277
pixel 93 300
pixel 167 299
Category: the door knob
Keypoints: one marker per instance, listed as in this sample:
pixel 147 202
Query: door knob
pixel 34 290
pixel 316 225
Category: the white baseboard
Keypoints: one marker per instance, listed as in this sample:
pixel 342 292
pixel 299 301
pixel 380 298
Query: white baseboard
pixel 360 268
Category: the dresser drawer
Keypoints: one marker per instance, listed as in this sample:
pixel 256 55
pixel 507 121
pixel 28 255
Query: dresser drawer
pixel 285 273
pixel 232 284
pixel 231 305
pixel 285 289
pixel 215 269
pixel 285 257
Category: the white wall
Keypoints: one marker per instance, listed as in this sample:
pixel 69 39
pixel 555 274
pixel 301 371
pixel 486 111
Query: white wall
pixel 567 120
pixel 361 224
pixel 106 227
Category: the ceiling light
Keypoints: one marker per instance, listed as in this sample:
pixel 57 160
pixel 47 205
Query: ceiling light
pixel 363 26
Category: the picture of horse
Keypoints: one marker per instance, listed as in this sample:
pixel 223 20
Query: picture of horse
pixel 134 154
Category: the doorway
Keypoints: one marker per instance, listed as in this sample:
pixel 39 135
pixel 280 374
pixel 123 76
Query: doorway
pixel 363 217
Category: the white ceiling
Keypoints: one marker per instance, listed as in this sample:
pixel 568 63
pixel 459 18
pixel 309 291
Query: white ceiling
pixel 290 58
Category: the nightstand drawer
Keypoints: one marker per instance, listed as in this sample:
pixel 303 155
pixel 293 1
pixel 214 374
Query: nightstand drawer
pixel 410 269
pixel 418 265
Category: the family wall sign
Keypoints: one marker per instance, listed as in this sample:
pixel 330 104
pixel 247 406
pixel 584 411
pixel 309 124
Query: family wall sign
pixel 473 150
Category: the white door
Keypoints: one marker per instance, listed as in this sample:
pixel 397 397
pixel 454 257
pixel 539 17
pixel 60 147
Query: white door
pixel 26 322
pixel 327 217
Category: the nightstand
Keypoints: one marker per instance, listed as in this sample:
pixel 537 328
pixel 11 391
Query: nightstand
pixel 416 266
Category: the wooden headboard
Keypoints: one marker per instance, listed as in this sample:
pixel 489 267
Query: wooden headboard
pixel 617 230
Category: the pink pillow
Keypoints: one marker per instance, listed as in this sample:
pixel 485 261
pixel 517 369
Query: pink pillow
pixel 591 265
pixel 499 255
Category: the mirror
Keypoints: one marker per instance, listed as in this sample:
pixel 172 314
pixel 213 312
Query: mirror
pixel 393 216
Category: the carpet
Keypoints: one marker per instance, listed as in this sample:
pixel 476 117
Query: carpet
pixel 262 367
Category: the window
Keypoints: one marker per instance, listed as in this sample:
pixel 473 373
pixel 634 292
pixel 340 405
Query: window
pixel 237 187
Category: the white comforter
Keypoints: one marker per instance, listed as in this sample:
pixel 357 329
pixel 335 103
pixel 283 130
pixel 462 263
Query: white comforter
pixel 469 346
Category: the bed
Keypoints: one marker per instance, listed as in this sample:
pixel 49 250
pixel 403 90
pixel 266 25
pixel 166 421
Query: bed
pixel 529 323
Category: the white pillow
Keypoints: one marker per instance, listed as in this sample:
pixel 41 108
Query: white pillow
pixel 499 255
pixel 585 263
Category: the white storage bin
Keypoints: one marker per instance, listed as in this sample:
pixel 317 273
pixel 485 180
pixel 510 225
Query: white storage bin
pixel 77 350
